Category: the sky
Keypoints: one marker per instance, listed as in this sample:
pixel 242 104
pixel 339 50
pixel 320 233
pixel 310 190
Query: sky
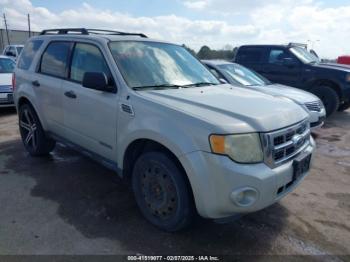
pixel 323 24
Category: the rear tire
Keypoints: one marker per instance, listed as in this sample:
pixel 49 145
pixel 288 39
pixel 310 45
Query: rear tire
pixel 329 97
pixel 33 136
pixel 162 192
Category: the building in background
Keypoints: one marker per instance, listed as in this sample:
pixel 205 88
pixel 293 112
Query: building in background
pixel 16 37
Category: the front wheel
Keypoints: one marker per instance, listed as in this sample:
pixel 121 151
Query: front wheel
pixel 32 133
pixel 162 192
pixel 329 97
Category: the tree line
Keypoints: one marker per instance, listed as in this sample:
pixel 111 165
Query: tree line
pixel 227 53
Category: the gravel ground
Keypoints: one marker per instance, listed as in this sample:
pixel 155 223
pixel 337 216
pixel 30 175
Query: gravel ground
pixel 68 204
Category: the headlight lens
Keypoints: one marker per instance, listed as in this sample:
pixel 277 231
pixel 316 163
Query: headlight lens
pixel 243 148
pixel 347 78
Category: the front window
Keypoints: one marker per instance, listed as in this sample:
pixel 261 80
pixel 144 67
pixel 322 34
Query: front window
pixel 243 75
pixel 304 55
pixel 152 64
pixel 87 58
pixel 6 65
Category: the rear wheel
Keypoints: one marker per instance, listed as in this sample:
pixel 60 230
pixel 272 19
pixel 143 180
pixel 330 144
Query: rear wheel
pixel 329 97
pixel 161 191
pixel 33 136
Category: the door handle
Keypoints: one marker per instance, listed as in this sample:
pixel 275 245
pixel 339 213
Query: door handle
pixel 70 94
pixel 36 83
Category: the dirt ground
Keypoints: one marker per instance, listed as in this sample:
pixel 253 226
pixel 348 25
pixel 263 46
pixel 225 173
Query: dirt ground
pixel 68 204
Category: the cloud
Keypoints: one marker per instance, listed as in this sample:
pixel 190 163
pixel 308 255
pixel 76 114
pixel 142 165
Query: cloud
pixel 268 21
pixel 198 5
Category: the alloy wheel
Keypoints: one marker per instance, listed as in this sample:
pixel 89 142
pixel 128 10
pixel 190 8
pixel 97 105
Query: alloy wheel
pixel 28 129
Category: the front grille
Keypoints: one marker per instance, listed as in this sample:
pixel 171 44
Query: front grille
pixel 314 106
pixel 282 145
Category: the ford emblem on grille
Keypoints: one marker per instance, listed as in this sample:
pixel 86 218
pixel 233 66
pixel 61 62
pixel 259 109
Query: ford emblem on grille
pixel 297 140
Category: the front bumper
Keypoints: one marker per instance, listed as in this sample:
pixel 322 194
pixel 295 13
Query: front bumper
pixel 317 118
pixel 216 179
pixel 6 100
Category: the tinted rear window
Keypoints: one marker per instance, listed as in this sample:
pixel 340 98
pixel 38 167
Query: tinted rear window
pixel 6 65
pixel 28 54
pixel 54 59
pixel 250 55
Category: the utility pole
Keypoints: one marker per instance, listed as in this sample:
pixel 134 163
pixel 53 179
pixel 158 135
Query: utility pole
pixel 7 31
pixel 29 25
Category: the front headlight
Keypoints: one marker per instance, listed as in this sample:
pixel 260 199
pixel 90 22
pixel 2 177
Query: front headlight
pixel 243 148
pixel 347 77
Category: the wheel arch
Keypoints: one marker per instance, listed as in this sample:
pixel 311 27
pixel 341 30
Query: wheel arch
pixel 327 82
pixel 25 100
pixel 139 146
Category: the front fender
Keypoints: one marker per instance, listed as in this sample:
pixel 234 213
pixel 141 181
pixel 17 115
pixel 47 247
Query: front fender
pixel 177 142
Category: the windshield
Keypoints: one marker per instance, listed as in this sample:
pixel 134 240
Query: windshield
pixel 6 65
pixel 243 75
pixel 304 55
pixel 152 64
pixel 19 49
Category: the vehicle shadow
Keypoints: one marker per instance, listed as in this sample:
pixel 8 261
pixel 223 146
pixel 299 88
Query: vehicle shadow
pixel 99 205
pixel 340 119
pixel 6 111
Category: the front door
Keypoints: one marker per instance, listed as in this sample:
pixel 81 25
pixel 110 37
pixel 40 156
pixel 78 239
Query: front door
pixel 90 116
pixel 277 71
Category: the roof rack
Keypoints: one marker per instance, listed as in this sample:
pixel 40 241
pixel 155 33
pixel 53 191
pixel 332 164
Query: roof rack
pixel 84 31
pixel 298 44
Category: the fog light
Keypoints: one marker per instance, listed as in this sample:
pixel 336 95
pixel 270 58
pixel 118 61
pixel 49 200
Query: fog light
pixel 244 197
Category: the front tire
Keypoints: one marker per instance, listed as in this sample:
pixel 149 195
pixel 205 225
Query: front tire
pixel 33 136
pixel 329 97
pixel 161 191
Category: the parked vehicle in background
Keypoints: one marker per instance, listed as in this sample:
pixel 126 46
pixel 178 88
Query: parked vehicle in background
pixel 13 51
pixel 239 75
pixel 293 65
pixel 7 66
pixel 151 111
pixel 345 59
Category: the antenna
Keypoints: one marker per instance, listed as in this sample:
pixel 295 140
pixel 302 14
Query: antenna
pixel 7 31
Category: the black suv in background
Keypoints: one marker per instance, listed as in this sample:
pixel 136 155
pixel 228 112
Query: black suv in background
pixel 295 66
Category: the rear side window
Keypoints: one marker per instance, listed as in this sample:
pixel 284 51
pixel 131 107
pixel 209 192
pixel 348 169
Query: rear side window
pixel 250 55
pixel 28 54
pixel 87 58
pixel 54 59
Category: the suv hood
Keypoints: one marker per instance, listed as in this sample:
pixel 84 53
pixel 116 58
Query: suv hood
pixel 340 67
pixel 295 94
pixel 230 109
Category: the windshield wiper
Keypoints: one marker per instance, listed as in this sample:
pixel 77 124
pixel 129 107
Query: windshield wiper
pixel 200 84
pixel 157 87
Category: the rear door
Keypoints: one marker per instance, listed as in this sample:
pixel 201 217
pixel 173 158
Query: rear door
pixel 47 83
pixel 251 57
pixel 90 116
pixel 277 71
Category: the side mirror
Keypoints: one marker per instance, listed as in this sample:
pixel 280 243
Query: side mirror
pixel 9 53
pixel 95 80
pixel 289 62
